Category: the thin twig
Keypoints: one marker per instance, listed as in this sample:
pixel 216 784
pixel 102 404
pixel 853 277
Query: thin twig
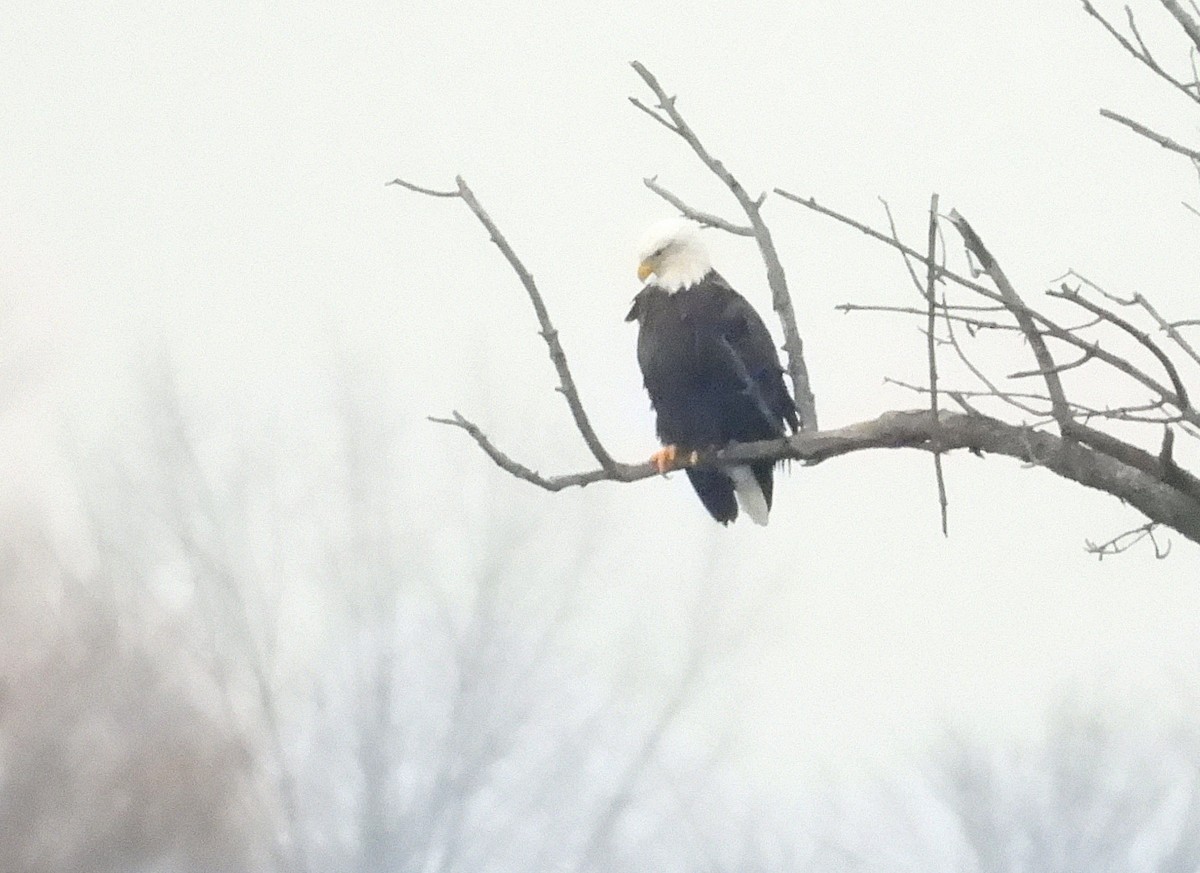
pixel 959 398
pixel 428 192
pixel 1166 454
pixel 1140 335
pixel 1133 28
pixel 811 203
pixel 1123 542
pixel 1059 368
pixel 706 219
pixel 781 299
pixel 948 312
pixel 1142 53
pixel 1103 292
pixel 1141 129
pixel 1087 413
pixel 642 106
pixel 931 296
pixel 912 273
pixel 1169 327
pixel 1137 300
pixel 1009 397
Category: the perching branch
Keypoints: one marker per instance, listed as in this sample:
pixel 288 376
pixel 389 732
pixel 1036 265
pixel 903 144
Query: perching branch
pixel 917 429
pixel 781 299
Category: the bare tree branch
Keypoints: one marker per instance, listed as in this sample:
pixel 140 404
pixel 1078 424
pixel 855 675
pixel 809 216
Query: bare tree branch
pixel 1007 396
pixel 1033 336
pixel 548 332
pixel 707 219
pixel 428 192
pixel 1190 26
pixel 948 312
pixel 781 299
pixel 912 272
pixel 642 106
pixel 1137 484
pixel 1048 327
pixel 1141 129
pixel 1168 327
pixel 1181 395
pixel 1141 52
pixel 1123 542
pixel 613 472
pixel 1060 368
pixel 811 203
pixel 931 295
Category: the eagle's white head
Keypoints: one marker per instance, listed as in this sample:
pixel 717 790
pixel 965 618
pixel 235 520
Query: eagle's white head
pixel 673 251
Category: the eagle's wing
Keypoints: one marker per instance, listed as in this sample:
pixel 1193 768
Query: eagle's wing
pixel 746 347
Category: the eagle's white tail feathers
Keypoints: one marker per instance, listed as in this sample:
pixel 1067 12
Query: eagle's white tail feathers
pixel 749 494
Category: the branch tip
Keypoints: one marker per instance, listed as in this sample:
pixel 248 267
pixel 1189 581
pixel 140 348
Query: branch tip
pixel 421 189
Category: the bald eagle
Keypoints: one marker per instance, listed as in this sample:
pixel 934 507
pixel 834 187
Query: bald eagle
pixel 711 370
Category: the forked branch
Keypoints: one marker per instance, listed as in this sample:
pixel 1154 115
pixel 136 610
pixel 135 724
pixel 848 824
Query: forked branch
pixel 548 332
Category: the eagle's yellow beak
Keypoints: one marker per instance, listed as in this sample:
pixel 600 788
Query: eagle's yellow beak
pixel 645 268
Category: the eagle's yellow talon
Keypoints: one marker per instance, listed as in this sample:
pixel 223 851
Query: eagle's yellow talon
pixel 668 458
pixel 664 459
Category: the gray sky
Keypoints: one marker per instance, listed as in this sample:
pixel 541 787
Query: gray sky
pixel 209 182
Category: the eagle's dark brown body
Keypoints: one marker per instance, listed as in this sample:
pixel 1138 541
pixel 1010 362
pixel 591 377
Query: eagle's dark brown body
pixel 697 348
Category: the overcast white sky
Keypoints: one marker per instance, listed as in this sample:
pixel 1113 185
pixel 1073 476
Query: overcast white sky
pixel 209 180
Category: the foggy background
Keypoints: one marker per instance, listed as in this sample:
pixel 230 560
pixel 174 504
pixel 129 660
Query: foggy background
pixel 259 614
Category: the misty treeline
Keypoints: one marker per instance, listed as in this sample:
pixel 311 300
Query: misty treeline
pixel 245 662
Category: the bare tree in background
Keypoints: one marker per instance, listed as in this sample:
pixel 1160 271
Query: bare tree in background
pixel 1036 407
pixel 267 666
pixel 1096 794
pixel 473 745
pixel 109 759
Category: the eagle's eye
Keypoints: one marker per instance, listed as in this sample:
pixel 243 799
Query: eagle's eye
pixel 658 252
